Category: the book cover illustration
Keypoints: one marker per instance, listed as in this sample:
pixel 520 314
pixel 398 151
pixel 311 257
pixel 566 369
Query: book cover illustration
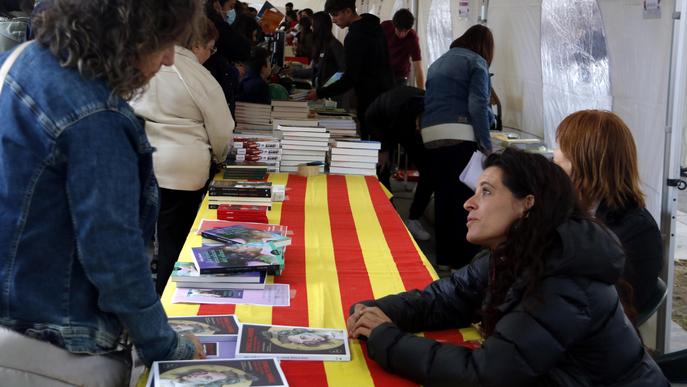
pixel 238 258
pixel 218 373
pixel 219 347
pixel 212 325
pixel 242 234
pixel 186 272
pixel 291 342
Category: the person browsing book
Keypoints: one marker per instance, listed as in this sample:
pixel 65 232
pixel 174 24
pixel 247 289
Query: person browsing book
pixel 597 150
pixel 367 59
pixel 185 114
pixel 253 87
pixel 404 48
pixel 543 291
pixel 79 200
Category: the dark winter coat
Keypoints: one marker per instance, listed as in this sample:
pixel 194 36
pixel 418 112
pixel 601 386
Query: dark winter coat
pixel 638 233
pixel 367 64
pixel 392 117
pixel 571 331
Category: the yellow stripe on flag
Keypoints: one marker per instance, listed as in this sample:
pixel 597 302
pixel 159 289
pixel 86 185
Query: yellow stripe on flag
pixel 380 265
pixel 324 294
pixel 254 313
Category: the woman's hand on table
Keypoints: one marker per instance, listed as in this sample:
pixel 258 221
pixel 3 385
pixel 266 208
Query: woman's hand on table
pixel 199 350
pixel 364 319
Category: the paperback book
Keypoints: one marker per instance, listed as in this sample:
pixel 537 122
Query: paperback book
pixel 186 276
pixel 245 372
pixel 207 224
pixel 242 234
pixel 238 258
pixel 272 295
pixel 211 325
pixel 290 342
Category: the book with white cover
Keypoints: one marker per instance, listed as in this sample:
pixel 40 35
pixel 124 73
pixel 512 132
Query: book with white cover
pixel 353 171
pixel 305 141
pixel 316 129
pixel 289 135
pixel 358 144
pixel 285 122
pixel 299 156
pixel 359 159
pixel 352 164
pixel 292 342
pixel 297 163
pixel 355 152
pixel 305 147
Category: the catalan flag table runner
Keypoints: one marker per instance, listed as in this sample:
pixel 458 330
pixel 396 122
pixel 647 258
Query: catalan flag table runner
pixel 348 245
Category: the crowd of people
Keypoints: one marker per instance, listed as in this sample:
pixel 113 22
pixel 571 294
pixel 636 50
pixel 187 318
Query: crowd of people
pixel 113 123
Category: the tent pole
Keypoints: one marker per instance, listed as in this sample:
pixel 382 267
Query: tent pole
pixel 677 81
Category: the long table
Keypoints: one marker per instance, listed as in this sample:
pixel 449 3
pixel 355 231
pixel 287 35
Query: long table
pixel 348 245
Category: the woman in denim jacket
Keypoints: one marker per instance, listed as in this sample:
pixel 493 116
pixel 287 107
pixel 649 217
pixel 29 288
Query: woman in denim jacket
pixel 455 124
pixel 78 198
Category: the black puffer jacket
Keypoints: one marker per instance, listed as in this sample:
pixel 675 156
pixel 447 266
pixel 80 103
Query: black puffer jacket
pixel 638 233
pixel 571 331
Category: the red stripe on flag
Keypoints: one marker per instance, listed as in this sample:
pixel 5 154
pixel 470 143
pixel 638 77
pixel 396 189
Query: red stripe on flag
pixel 408 261
pixel 354 282
pixel 298 373
pixel 209 309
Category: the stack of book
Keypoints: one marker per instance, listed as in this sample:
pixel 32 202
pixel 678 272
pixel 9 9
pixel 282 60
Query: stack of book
pixel 354 157
pixel 340 127
pixel 299 94
pixel 264 149
pixel 290 110
pixel 245 193
pixel 252 116
pixel 241 247
pixel 303 145
pixel 245 170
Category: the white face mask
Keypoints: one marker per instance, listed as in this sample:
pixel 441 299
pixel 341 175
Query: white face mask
pixel 231 16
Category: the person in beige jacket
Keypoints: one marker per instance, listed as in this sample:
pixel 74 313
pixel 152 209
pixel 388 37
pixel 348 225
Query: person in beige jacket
pixel 188 122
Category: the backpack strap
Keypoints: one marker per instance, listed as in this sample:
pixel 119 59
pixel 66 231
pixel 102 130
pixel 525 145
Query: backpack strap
pixel 9 62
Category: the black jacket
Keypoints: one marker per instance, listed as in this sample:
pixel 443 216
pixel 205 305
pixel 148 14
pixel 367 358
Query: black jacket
pixel 392 116
pixel 571 331
pixel 367 63
pixel 641 240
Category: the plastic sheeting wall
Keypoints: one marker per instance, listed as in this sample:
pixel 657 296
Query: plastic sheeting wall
pixel 574 61
pixel 639 55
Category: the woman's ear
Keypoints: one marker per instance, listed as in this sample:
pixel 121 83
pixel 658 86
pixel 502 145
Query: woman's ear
pixel 527 203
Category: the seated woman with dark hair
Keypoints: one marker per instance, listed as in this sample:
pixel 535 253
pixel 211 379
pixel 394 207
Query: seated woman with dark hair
pixel 597 150
pixel 253 87
pixel 185 114
pixel 543 289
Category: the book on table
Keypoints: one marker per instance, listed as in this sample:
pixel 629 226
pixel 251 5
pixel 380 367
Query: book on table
pixel 292 342
pixel 243 234
pixel 241 372
pixel 210 325
pixel 361 144
pixel 185 275
pixel 238 258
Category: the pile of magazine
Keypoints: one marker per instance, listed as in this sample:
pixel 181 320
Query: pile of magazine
pixel 246 354
pixel 232 265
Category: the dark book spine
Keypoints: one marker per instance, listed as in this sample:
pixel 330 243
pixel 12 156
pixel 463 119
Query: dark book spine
pixel 251 192
pixel 238 269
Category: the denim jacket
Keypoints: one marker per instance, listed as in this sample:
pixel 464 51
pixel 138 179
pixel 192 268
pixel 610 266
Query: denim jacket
pixel 78 200
pixel 458 91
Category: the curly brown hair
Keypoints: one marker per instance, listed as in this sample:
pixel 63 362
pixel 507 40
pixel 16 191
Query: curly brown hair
pixel 106 39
